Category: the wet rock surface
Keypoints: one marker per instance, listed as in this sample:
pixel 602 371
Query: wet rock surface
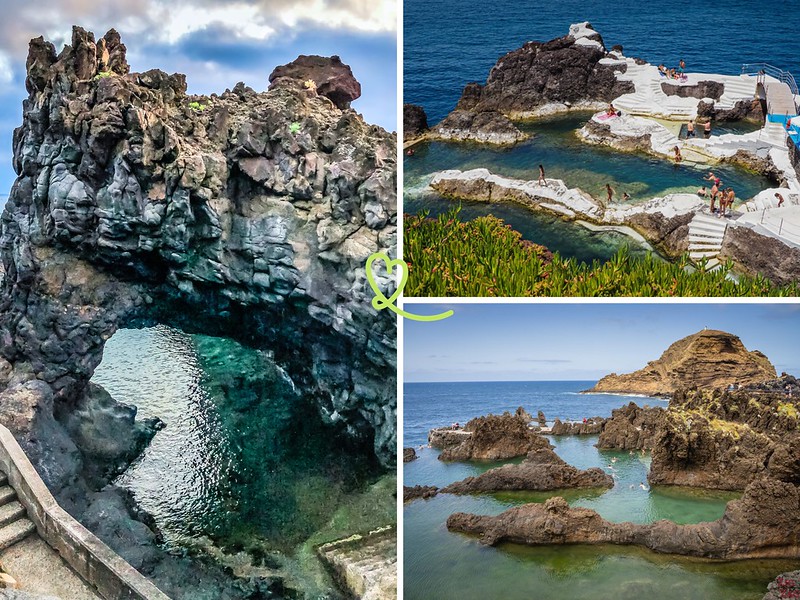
pixel 707 359
pixel 409 454
pixel 591 426
pixel 765 522
pixel 542 470
pixel 495 437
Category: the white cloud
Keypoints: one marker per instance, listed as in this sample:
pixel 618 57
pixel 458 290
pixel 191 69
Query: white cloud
pixel 6 69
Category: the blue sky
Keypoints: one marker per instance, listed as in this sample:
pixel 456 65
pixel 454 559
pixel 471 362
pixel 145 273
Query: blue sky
pixel 528 342
pixel 216 43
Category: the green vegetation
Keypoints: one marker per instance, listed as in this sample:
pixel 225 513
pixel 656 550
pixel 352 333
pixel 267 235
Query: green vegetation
pixel 294 127
pixel 103 75
pixel 787 409
pixel 485 257
pixel 197 106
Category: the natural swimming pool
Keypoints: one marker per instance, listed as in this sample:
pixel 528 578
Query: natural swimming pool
pixel 578 164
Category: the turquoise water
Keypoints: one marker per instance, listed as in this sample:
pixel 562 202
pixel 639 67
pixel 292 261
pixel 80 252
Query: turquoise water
pixel 580 165
pixel 244 462
pixel 444 565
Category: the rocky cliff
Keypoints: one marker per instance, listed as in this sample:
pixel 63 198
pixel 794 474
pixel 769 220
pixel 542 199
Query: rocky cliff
pixel 242 214
pixel 537 79
pixel 707 359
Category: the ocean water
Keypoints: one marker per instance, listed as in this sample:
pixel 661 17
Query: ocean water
pixel 448 43
pixel 444 565
pixel 244 462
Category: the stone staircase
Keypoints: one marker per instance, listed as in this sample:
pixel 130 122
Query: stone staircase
pixel 736 90
pixel 706 233
pixel 14 523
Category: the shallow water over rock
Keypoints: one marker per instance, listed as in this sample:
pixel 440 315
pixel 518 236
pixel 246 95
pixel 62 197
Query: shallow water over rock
pixel 244 463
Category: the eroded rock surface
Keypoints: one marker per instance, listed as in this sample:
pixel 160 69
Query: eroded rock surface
pixel 725 440
pixel 419 491
pixel 415 121
pixel 243 214
pixel 707 359
pixel 332 78
pixel 542 470
pixel 495 437
pixel 631 428
pixel 765 522
pixel 488 127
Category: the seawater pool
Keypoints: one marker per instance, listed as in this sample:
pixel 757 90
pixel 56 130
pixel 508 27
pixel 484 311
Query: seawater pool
pixel 453 566
pixel 578 164
pixel 244 462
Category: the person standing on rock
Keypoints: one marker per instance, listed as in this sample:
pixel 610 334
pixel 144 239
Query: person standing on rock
pixel 707 129
pixel 681 67
pixel 542 180
pixel 610 192
pixel 780 199
pixel 714 192
pixel 690 129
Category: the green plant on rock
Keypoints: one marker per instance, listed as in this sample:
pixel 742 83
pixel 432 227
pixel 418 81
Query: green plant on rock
pixel 103 75
pixel 787 409
pixel 294 127
pixel 485 257
pixel 197 106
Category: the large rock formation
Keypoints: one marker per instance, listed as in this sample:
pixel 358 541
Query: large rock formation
pixel 757 254
pixel 242 214
pixel 332 78
pixel 488 127
pixel 415 121
pixel 725 440
pixel 495 437
pixel 631 428
pixel 707 359
pixel 764 523
pixel 546 77
pixel 542 470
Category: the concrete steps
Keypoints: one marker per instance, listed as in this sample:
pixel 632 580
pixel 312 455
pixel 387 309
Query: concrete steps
pixel 705 239
pixel 14 524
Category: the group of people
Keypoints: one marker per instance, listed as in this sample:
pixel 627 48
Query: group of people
pixel 674 73
pixel 726 196
pixel 690 129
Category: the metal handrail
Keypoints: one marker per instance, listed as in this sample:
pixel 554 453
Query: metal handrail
pixel 779 74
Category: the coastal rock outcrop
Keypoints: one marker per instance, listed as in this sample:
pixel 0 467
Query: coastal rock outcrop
pixel 707 359
pixel 758 254
pixel 749 110
pixel 785 586
pixel 764 523
pixel 332 78
pixel 591 426
pixel 486 126
pixel 726 439
pixel 631 428
pixel 545 77
pixel 542 470
pixel 495 437
pixel 415 121
pixel 419 492
pixel 409 454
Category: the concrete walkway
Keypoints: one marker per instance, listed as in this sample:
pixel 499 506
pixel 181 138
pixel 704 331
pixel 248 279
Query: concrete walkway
pixel 40 570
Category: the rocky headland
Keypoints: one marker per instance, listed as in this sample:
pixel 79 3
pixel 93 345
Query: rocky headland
pixel 242 214
pixel 542 470
pixel 708 359
pixel 491 437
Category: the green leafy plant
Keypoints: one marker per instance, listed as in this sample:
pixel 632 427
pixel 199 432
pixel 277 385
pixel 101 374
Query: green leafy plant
pixel 485 257
pixel 197 106
pixel 294 128
pixel 103 75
